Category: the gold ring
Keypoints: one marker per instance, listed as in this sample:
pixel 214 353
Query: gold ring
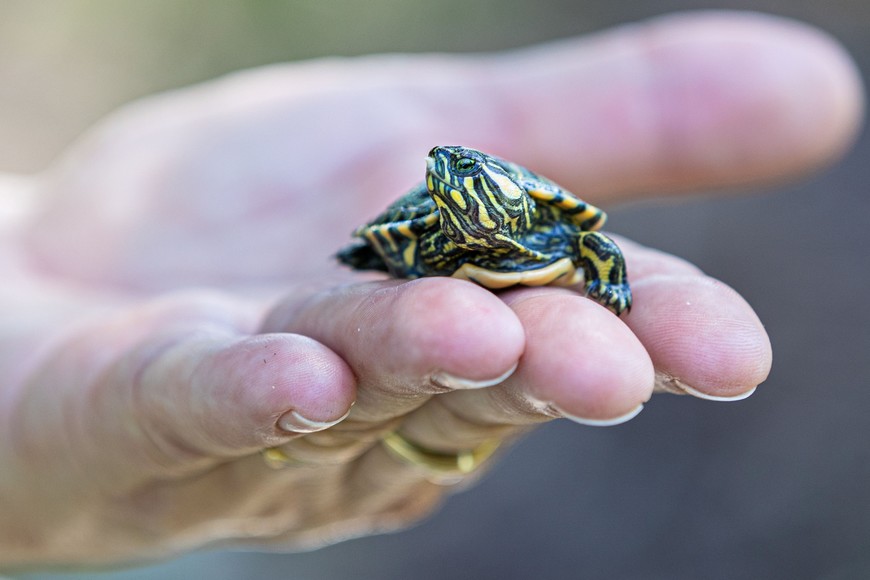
pixel 276 458
pixel 441 467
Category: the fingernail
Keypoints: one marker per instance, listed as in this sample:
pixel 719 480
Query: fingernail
pixel 295 423
pixel 602 422
pixel 705 396
pixel 453 382
pixel 674 385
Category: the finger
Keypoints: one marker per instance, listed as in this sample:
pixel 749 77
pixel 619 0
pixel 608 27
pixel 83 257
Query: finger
pixel 674 104
pixel 580 362
pixel 703 338
pixel 219 395
pixel 408 340
pixel 643 262
pixel 174 388
pixel 464 418
pixel 718 350
pixel 196 402
pixel 678 103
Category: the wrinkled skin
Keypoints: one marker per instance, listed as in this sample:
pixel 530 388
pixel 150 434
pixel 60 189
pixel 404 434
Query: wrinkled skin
pixel 133 408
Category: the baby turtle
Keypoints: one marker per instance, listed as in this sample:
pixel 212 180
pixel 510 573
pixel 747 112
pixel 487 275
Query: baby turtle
pixel 495 223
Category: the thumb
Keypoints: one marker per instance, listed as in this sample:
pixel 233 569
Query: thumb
pixel 678 103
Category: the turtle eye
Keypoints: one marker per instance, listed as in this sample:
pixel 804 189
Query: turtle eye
pixel 465 165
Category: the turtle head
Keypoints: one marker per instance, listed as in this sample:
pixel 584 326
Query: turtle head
pixel 481 205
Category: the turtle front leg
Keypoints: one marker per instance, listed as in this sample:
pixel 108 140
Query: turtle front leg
pixel 397 245
pixel 604 269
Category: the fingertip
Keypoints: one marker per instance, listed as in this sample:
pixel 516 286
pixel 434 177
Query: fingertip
pixel 609 422
pixel 785 91
pixel 458 329
pixel 682 102
pixel 702 334
pixel 268 378
pixel 582 360
pixel 412 336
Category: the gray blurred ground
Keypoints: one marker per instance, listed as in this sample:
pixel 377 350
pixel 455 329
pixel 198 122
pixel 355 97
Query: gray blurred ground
pixel 777 486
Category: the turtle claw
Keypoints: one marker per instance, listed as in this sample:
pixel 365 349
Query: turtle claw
pixel 614 297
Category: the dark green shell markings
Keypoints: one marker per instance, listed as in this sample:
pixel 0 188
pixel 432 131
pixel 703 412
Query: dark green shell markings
pixel 495 223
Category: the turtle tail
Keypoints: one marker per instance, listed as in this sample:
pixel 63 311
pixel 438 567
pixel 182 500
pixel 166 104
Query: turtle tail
pixel 361 257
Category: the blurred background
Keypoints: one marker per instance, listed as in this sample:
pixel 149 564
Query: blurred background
pixel 776 486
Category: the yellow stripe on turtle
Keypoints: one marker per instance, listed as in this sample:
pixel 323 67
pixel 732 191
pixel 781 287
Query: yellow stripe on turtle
pixel 482 212
pixel 507 187
pixel 409 255
pixel 569 203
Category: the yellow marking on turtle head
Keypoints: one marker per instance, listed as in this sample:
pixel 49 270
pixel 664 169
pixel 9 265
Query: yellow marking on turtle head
pixel 484 218
pixel 496 204
pixel 458 199
pixel 451 225
pixel 482 213
pixel 506 186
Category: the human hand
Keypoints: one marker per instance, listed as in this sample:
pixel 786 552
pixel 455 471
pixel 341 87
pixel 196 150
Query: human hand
pixel 155 430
